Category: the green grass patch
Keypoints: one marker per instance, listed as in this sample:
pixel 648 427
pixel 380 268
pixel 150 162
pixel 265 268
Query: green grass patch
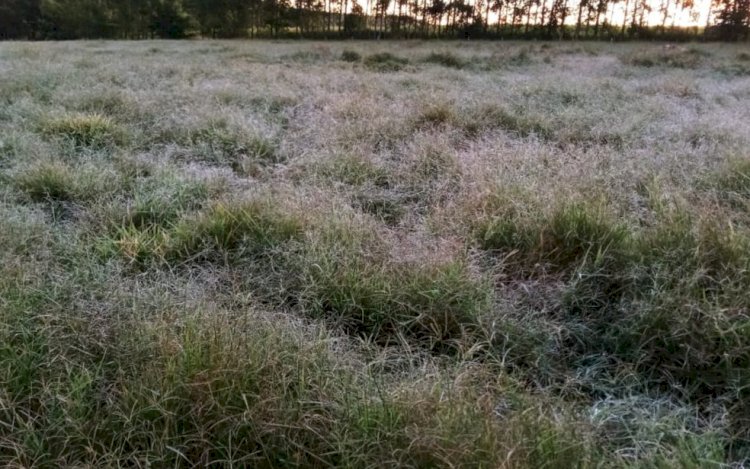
pixel 60 182
pixel 565 238
pixel 666 56
pixel 221 145
pixel 232 231
pixel 436 114
pixel 732 184
pixel 446 59
pixel 385 62
pixel 351 56
pixel 153 201
pixel 84 130
pixel 383 205
pixel 353 170
pixel 172 231
pixel 354 285
pixel 521 123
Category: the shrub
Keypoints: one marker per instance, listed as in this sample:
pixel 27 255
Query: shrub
pixel 350 56
pixel 85 130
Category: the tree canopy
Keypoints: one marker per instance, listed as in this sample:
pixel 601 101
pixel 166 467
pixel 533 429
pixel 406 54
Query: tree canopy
pixel 537 19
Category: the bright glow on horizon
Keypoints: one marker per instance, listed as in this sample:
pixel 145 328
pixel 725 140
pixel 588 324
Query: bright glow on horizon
pixel 697 15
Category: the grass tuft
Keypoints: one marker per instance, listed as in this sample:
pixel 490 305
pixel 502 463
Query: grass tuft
pixel 351 56
pixel 354 170
pixel 565 238
pixel 676 57
pixel 385 62
pixel 349 281
pixel 232 231
pixel 446 59
pixel 49 181
pixel 85 130
pixel 221 145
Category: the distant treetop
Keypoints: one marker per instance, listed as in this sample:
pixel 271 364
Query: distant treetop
pixel 375 19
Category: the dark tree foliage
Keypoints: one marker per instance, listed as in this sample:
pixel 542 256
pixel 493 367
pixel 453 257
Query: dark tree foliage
pixel 20 19
pixel 530 19
pixel 733 20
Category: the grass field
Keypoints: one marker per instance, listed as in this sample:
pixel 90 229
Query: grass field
pixel 361 254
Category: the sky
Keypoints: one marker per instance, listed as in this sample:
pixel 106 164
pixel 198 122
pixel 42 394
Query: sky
pixel 680 17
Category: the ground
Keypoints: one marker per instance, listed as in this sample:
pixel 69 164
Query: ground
pixel 366 254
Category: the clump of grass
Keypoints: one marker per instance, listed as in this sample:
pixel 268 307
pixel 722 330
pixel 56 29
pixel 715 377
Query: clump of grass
pixel 137 245
pixel 351 56
pixel 226 231
pixel 59 182
pixel 736 179
pixel 522 57
pixel 436 114
pixel 153 386
pixel 354 170
pixel 49 181
pixel 732 184
pixel 565 238
pixel 305 56
pixel 273 105
pixel 222 145
pixel 436 304
pixel 85 130
pixel 385 62
pixel 105 104
pixel 697 271
pixel 384 205
pixel 484 117
pixel 176 228
pixel 446 59
pixel 348 280
pixel 433 163
pixel 625 287
pixel 159 201
pixel 736 69
pixel 676 57
pixel 12 146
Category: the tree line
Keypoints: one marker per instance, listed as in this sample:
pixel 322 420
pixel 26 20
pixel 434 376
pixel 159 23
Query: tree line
pixel 512 19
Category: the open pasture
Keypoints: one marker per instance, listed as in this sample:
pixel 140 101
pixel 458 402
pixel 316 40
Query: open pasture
pixel 367 254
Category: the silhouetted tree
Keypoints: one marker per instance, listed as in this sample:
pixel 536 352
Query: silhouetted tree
pixel 68 19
